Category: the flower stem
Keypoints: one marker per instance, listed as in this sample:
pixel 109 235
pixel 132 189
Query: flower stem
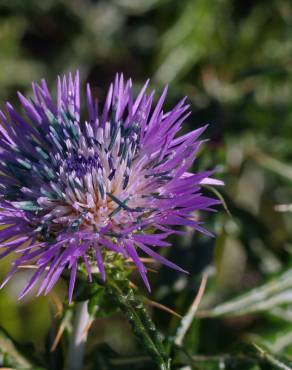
pixel 78 338
pixel 141 323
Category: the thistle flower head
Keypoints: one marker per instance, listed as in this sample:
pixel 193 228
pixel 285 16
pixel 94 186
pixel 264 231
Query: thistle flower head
pixel 74 189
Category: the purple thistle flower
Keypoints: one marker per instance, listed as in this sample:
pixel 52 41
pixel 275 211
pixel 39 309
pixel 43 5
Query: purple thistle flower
pixel 71 190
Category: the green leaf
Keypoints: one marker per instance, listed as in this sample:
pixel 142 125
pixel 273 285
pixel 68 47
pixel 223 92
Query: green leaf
pixel 246 357
pixel 13 355
pixel 226 361
pixel 277 361
pixel 275 293
pixel 85 290
pixel 101 304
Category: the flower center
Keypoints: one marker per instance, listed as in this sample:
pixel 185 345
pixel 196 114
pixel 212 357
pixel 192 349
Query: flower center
pixel 97 185
pixel 81 165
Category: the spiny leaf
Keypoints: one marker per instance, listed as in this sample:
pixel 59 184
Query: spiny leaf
pixel 272 294
pixel 12 355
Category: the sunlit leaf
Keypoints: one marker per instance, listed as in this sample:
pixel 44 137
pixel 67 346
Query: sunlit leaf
pixel 275 293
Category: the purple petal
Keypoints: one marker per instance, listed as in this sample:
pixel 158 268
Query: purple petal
pixel 99 261
pixel 141 268
pixel 159 258
pixel 72 281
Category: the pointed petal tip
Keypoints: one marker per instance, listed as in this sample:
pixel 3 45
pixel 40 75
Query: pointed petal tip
pixel 70 297
pixel 21 96
pixel 203 128
pixel 23 293
pixel 3 284
pixel 211 181
pixel 9 105
pixel 148 287
pixel 164 91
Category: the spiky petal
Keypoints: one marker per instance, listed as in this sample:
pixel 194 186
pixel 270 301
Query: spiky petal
pixel 72 189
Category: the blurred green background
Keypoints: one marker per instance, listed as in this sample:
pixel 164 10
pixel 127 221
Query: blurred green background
pixel 233 59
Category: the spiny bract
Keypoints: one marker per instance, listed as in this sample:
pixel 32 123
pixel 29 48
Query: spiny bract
pixel 72 189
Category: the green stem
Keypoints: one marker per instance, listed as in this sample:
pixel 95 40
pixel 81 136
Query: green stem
pixel 141 323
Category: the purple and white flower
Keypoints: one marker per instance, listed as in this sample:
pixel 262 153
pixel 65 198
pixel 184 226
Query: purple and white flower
pixel 73 189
